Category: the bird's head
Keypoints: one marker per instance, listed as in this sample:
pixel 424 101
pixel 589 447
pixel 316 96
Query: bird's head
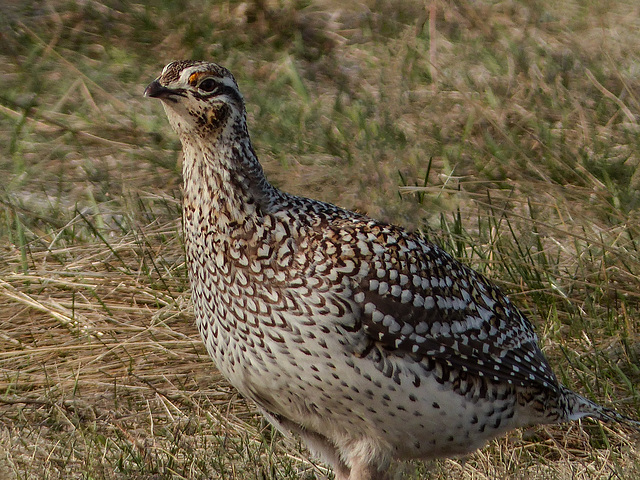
pixel 200 98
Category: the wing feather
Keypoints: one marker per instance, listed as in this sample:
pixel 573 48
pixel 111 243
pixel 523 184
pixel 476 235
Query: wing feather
pixel 414 298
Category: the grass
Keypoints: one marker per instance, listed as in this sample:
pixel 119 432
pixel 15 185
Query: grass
pixel 505 131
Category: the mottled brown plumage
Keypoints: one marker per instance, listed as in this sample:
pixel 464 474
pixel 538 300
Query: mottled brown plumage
pixel 359 336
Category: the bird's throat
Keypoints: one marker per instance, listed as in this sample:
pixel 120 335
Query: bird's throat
pixel 224 188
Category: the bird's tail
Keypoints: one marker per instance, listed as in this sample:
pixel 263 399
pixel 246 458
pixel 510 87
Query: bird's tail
pixel 578 407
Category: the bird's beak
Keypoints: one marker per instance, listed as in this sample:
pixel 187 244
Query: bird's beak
pixel 156 90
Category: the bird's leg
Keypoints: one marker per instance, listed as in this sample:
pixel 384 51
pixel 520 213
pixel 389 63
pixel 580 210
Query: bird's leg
pixel 341 473
pixel 365 471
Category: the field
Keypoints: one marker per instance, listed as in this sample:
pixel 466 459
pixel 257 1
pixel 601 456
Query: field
pixel 508 132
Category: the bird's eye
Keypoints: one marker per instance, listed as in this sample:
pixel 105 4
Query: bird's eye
pixel 207 85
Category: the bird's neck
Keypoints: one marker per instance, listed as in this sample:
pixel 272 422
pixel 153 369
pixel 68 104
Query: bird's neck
pixel 224 185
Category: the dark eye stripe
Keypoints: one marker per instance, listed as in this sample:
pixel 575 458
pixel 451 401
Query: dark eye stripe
pixel 221 89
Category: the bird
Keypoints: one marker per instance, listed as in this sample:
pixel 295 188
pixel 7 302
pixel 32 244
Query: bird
pixel 364 339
